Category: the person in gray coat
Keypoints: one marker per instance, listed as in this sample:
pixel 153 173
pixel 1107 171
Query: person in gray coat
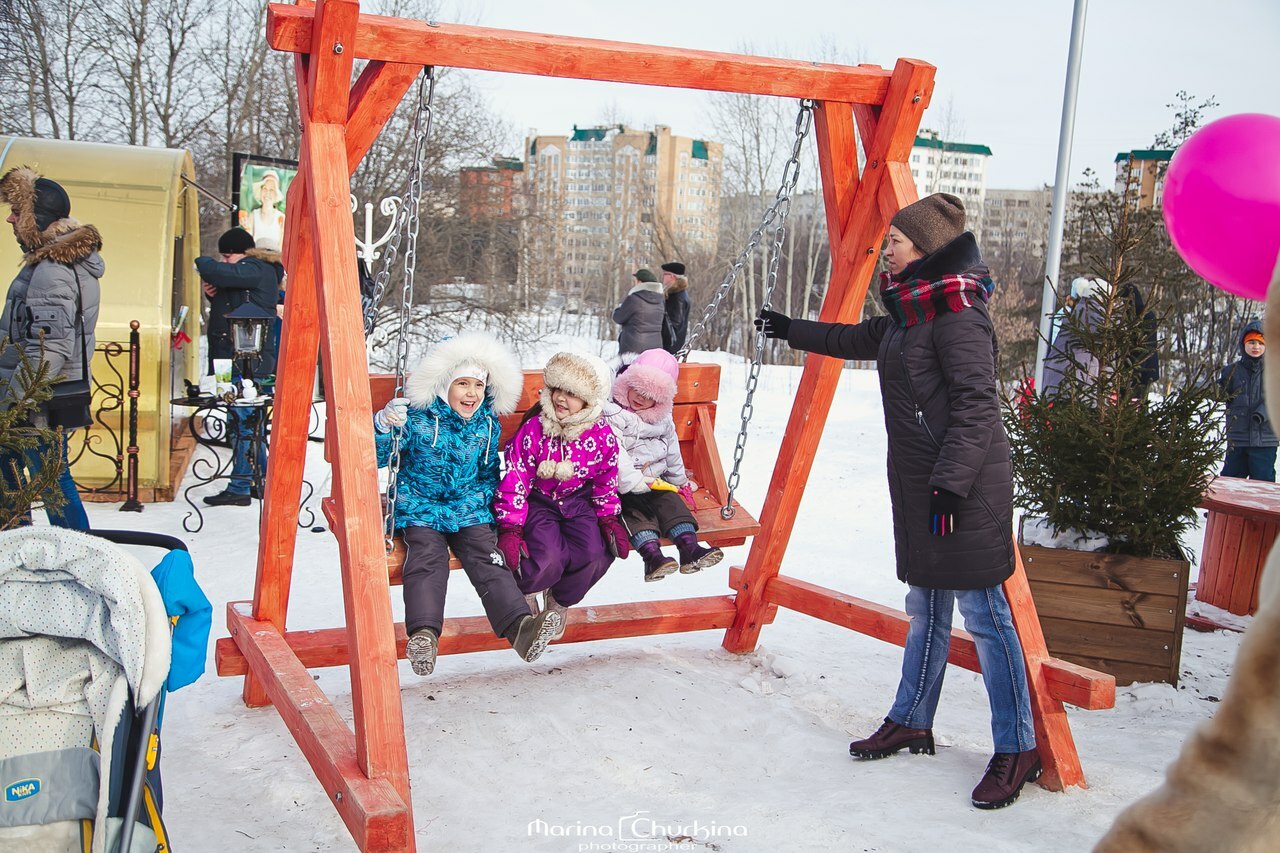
pixel 1251 442
pixel 640 315
pixel 950 480
pixel 50 312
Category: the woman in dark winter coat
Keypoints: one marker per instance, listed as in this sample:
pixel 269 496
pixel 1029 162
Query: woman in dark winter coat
pixel 50 312
pixel 640 315
pixel 676 328
pixel 949 480
pixel 1251 443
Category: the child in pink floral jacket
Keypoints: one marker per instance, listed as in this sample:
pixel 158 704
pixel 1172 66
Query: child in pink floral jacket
pixel 557 505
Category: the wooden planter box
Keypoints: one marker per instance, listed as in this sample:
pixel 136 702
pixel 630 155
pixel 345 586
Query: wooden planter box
pixel 1123 615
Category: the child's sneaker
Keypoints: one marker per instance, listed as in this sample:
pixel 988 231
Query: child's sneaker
pixel 421 651
pixel 693 557
pixel 553 606
pixel 657 565
pixel 533 634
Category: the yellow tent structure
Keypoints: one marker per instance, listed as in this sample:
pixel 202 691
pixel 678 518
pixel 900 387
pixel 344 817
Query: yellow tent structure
pixel 150 224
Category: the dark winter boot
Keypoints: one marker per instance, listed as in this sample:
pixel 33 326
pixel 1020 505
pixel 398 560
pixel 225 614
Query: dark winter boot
pixel 1006 773
pixel 657 565
pixel 891 738
pixel 693 557
pixel 421 651
pixel 532 633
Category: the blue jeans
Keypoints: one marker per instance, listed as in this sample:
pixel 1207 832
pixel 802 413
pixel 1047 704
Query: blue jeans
pixel 71 514
pixel 924 662
pixel 1254 463
pixel 241 425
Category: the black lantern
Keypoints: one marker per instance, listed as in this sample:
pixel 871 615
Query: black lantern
pixel 249 329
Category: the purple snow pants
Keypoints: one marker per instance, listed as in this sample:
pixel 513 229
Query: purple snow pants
pixel 566 552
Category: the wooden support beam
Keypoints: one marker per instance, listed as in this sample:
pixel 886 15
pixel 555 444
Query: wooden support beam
pixel 860 234
pixel 373 811
pixel 289 28
pixel 330 647
pixel 374 98
pixel 291 407
pixel 330 45
pixel 834 131
pixel 1053 731
pixel 375 688
pixel 1067 682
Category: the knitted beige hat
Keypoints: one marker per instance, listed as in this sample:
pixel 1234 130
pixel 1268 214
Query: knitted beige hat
pixel 932 222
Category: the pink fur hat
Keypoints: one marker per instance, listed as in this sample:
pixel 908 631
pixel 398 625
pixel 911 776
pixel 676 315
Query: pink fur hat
pixel 653 373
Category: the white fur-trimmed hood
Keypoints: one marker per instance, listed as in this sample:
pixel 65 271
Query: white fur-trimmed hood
pixel 433 374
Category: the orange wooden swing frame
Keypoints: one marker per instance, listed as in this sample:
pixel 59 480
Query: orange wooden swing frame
pixel 365 773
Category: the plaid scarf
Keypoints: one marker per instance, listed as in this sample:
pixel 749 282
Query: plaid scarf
pixel 911 301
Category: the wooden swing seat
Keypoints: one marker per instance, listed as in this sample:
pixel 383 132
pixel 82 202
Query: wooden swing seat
pixel 694 413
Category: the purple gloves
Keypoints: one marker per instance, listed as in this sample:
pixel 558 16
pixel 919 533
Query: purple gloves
pixel 615 536
pixel 511 544
pixel 942 512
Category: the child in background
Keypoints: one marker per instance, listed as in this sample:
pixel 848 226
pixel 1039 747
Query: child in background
pixel 652 482
pixel 448 436
pixel 558 525
pixel 1251 443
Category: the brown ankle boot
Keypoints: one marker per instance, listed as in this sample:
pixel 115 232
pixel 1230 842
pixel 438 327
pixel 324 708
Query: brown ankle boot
pixel 891 738
pixel 1006 773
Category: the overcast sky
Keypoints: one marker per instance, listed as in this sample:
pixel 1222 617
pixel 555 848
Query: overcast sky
pixel 1001 64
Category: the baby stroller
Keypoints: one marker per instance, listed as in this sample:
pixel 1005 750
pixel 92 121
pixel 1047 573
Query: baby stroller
pixel 85 662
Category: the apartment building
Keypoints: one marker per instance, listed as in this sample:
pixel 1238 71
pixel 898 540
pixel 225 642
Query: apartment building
pixel 959 168
pixel 1144 171
pixel 610 199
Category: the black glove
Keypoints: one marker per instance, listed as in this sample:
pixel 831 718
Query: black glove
pixel 773 324
pixel 942 512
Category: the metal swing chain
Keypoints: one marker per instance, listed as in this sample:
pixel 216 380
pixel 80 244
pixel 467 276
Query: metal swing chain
pixel 421 130
pixel 778 211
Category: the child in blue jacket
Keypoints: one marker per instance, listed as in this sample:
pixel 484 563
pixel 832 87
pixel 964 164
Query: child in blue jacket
pixel 448 432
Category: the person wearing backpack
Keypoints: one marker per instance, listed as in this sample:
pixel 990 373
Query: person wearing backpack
pixel 675 323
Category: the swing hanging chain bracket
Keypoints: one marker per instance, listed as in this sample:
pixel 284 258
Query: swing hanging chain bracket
pixel 411 210
pixel 776 216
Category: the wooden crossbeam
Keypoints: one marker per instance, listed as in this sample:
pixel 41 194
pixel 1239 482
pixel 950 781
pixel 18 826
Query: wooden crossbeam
pixel 330 646
pixel 1067 682
pixel 289 28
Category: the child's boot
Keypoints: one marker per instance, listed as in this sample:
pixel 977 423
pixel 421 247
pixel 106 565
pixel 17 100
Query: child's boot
pixel 532 633
pixel 421 651
pixel 693 557
pixel 657 565
pixel 553 606
pixel 532 600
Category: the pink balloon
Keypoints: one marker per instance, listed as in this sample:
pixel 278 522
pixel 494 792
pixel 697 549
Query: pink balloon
pixel 1222 202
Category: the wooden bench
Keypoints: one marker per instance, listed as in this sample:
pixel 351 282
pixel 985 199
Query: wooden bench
pixel 694 413
pixel 1244 520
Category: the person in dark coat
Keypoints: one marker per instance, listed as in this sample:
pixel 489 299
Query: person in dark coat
pixel 1251 442
pixel 244 273
pixel 950 480
pixel 640 315
pixel 50 315
pixel 675 331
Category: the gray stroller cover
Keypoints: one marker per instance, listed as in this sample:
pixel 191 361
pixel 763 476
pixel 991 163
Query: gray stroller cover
pixel 84 641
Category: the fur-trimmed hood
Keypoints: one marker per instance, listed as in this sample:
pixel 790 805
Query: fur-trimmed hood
pixel 431 378
pixel 678 283
pixel 268 255
pixel 582 375
pixel 65 241
pixel 652 382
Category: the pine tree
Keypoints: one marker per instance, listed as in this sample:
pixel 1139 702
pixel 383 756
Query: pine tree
pixel 1098 453
pixel 18 434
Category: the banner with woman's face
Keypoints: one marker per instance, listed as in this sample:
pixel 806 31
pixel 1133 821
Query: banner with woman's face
pixel 260 187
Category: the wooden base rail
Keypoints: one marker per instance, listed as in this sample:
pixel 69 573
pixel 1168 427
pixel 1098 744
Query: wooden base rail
pixel 374 813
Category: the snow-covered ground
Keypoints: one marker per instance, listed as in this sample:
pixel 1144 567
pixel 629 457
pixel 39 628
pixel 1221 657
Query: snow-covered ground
pixel 615 745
